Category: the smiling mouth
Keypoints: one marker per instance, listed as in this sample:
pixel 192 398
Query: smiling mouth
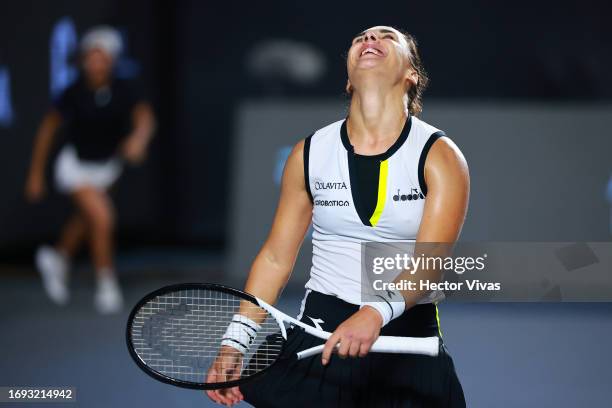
pixel 371 51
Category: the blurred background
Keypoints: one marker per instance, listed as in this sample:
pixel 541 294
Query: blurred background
pixel 524 89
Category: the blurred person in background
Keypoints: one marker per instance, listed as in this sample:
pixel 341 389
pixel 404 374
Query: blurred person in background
pixel 380 175
pixel 106 121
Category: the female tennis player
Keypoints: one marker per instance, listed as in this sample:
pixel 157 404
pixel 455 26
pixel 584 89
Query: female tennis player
pixel 382 174
pixel 106 121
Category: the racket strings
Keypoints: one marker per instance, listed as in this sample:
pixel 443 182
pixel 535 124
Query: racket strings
pixel 179 335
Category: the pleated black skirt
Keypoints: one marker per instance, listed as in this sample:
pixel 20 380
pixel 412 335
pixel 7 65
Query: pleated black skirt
pixel 378 380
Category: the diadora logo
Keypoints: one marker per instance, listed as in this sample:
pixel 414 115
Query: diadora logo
pixel 414 194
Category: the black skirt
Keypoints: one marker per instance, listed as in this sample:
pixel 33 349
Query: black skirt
pixel 378 380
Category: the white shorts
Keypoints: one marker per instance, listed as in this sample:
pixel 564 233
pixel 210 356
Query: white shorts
pixel 72 173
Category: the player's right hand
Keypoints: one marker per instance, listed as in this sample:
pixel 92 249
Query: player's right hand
pixel 35 188
pixel 227 367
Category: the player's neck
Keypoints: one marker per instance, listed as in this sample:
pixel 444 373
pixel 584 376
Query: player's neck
pixel 376 114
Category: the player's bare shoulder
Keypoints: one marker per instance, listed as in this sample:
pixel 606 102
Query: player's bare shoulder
pixel 446 157
pixel 293 175
pixel 298 151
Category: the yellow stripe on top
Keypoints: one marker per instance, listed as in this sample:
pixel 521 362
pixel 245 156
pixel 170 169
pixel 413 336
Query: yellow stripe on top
pixel 438 319
pixel 382 192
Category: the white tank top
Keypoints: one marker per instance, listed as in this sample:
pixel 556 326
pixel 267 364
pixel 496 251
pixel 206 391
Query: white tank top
pixel 338 229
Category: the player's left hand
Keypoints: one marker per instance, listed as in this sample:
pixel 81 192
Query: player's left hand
pixel 355 335
pixel 134 149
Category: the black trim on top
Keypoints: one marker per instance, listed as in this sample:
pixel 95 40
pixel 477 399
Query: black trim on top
pixel 432 139
pixel 382 156
pixel 355 190
pixel 352 156
pixel 306 166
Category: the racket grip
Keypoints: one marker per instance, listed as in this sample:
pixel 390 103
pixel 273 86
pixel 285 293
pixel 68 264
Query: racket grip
pixel 429 346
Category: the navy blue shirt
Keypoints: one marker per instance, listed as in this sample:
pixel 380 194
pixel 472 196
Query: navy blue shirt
pixel 97 121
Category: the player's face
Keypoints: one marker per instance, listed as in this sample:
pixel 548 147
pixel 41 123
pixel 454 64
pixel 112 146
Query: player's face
pixel 97 65
pixel 378 49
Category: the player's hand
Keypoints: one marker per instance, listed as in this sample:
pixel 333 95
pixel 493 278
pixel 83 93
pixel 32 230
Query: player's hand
pixel 35 187
pixel 134 149
pixel 227 367
pixel 355 335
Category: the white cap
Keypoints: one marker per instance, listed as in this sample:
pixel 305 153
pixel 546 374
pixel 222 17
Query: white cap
pixel 105 38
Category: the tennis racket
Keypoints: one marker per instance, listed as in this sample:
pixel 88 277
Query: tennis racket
pixel 176 333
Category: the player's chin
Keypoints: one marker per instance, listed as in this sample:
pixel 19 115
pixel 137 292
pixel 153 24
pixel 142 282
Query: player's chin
pixel 370 63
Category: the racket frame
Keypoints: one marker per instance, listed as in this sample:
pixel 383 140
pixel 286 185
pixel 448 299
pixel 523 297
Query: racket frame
pixel 173 381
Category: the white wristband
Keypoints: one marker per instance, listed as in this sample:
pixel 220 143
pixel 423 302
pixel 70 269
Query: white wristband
pixel 390 306
pixel 240 333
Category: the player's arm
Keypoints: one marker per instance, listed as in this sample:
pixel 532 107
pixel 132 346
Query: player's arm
pixel 447 178
pixel 448 190
pixel 448 185
pixel 35 184
pixel 274 262
pixel 143 126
